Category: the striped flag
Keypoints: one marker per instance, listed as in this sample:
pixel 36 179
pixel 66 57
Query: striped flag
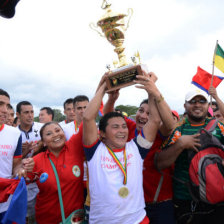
pixel 219 58
pixel 203 80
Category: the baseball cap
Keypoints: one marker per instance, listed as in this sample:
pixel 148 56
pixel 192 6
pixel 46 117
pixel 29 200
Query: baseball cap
pixel 175 113
pixel 195 92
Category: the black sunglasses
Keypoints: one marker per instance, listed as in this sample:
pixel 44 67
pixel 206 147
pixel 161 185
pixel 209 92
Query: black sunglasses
pixel 201 101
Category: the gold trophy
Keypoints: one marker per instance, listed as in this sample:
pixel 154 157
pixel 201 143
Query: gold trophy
pixel 113 28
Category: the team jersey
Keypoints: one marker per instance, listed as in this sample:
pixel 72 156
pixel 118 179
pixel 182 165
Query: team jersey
pixel 70 129
pixel 10 148
pixel 62 122
pixel 106 178
pixel 69 165
pixel 157 186
pixel 181 170
pixel 33 135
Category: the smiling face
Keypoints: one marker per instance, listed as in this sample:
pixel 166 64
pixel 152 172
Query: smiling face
pixel 142 116
pixel 116 133
pixel 53 137
pixel 197 109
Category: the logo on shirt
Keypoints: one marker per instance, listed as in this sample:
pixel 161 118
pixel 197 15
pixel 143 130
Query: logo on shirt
pixel 76 170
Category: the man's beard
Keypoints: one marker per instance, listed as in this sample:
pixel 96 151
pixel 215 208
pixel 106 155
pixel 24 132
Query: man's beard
pixel 196 119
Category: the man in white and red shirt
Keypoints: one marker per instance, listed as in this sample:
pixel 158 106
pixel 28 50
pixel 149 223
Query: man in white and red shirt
pixel 157 187
pixel 80 103
pixel 10 147
pixel 115 166
pixel 30 131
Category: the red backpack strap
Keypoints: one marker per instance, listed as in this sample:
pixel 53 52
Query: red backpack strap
pixel 211 125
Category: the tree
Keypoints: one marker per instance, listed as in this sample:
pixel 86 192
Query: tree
pixel 58 116
pixel 130 110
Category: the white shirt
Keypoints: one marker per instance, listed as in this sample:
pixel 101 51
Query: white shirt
pixel 32 135
pixel 70 129
pixel 9 143
pixel 105 181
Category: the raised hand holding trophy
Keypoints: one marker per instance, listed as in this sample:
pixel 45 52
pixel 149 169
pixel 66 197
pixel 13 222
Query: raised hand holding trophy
pixel 113 28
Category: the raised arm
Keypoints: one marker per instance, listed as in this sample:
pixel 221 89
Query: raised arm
pixel 109 105
pixel 163 108
pixel 156 99
pixel 151 127
pixel 90 131
pixel 212 91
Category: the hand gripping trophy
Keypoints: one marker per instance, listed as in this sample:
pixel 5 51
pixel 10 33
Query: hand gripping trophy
pixel 113 28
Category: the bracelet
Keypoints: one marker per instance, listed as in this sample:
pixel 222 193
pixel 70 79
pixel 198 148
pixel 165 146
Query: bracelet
pixel 161 98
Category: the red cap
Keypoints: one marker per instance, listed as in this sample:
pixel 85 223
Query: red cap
pixel 176 114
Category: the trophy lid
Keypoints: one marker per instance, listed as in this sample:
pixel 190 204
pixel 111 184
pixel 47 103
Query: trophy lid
pixel 110 18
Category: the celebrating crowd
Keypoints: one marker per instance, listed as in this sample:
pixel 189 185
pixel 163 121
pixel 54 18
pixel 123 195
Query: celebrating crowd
pixel 117 171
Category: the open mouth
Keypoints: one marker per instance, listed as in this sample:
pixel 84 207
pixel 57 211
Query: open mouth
pixel 57 139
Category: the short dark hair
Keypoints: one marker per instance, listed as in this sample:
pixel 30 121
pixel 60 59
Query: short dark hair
pixel 10 107
pixel 68 101
pixel 80 98
pixel 4 93
pixel 215 103
pixel 20 104
pixel 145 101
pixel 118 110
pixel 45 125
pixel 49 111
pixel 15 120
pixel 104 120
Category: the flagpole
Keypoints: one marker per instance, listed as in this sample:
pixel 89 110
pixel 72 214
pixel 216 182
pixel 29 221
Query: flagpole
pixel 213 65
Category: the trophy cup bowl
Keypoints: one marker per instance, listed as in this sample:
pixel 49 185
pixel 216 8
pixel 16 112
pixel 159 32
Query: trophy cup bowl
pixel 113 28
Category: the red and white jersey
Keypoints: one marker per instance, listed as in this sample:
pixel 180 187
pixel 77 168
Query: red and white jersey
pixel 70 129
pixel 106 179
pixel 10 148
pixel 62 122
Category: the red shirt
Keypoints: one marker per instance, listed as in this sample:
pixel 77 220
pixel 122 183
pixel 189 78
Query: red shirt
pixel 151 177
pixel 69 165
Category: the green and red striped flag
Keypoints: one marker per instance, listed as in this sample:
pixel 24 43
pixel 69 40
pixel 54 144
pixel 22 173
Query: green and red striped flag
pixel 219 58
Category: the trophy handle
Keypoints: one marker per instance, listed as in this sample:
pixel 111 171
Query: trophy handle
pixel 94 27
pixel 130 13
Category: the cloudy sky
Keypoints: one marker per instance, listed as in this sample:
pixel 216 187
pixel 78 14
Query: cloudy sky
pixel 48 52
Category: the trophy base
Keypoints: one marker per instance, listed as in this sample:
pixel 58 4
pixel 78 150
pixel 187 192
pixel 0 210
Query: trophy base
pixel 123 77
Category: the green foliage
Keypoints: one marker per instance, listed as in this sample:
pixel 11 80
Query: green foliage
pixel 58 116
pixel 36 119
pixel 130 110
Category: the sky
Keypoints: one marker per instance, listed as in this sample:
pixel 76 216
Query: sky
pixel 49 53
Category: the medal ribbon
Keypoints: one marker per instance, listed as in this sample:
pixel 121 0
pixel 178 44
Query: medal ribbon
pixel 76 126
pixel 117 161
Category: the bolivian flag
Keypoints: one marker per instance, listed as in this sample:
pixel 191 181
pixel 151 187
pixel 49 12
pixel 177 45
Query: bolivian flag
pixel 219 58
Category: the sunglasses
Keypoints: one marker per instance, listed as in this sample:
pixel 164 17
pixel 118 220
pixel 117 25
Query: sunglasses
pixel 201 101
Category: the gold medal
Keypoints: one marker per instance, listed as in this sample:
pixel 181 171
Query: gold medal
pixel 123 192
